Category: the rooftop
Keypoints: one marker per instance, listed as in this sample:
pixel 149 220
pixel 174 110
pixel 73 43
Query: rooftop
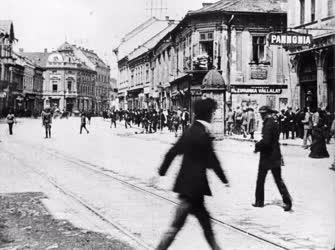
pixel 240 6
pixel 39 58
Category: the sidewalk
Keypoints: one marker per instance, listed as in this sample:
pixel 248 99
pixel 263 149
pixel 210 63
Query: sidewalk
pixel 168 137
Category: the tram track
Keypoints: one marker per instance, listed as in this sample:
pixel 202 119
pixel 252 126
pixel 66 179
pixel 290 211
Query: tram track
pixel 110 174
pixel 131 236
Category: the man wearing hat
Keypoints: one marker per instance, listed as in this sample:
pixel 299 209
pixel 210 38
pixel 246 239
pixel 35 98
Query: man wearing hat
pixel 270 159
pixel 196 146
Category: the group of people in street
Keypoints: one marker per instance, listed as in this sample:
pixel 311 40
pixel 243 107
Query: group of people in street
pixel 313 127
pixel 241 121
pixel 151 120
pixel 196 146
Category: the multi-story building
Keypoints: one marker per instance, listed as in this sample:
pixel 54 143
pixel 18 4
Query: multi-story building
pixel 69 83
pixel 7 60
pixel 231 37
pixel 312 72
pixel 102 80
pixel 30 100
pixel 134 62
pixel 75 79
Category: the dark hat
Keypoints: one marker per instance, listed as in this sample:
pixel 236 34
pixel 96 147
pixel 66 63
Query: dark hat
pixel 265 109
pixel 204 108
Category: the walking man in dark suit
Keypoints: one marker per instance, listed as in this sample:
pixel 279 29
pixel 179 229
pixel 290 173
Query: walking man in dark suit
pixel 191 184
pixel 270 159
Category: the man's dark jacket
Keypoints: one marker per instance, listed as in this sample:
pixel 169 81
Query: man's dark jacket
pixel 269 145
pixel 196 146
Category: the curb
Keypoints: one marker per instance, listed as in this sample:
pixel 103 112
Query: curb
pixel 253 140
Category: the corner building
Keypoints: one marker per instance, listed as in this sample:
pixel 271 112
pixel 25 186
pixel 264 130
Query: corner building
pixel 312 71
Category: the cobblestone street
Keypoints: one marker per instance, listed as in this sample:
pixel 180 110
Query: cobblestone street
pixel 29 163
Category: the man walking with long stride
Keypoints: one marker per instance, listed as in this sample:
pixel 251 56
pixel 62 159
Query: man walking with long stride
pixel 83 123
pixel 191 184
pixel 270 159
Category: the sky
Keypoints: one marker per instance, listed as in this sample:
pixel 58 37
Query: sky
pixel 94 24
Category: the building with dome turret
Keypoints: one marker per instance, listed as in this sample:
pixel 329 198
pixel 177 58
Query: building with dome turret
pixel 75 79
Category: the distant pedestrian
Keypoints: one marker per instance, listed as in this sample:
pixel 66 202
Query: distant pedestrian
pixel 113 119
pixel 127 119
pixel 238 120
pixel 318 146
pixel 83 123
pixel 251 122
pixel 244 126
pixel 10 121
pixel 307 123
pixel 230 121
pixel 89 116
pixel 290 116
pixel 185 117
pixel 270 159
pixel 175 122
pixel 47 121
pixel 191 184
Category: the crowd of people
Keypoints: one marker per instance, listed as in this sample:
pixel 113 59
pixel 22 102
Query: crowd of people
pixel 316 129
pixel 151 120
pixel 303 123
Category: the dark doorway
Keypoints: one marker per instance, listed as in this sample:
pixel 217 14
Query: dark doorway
pixel 308 83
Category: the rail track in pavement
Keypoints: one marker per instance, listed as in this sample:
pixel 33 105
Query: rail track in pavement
pixel 114 176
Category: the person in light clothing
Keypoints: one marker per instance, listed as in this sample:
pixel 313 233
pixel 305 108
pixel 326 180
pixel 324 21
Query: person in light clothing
pixel 10 121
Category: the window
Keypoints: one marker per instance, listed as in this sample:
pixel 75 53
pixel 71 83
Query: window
pixel 302 11
pixel 54 87
pixel 69 86
pixel 206 36
pixel 258 48
pixel 312 10
pixel 239 51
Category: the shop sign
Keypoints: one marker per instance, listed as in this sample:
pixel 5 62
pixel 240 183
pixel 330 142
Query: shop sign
pixel 259 73
pixel 290 39
pixel 257 89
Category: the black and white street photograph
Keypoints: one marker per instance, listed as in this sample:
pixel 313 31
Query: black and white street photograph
pixel 167 124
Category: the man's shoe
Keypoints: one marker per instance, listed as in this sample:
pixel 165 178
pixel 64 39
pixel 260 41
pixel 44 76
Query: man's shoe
pixel 287 207
pixel 258 204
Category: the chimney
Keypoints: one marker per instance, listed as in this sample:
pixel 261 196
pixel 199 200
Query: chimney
pixel 206 4
pixel 45 50
pixel 21 50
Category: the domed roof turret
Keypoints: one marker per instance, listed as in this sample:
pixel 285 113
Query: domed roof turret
pixel 213 80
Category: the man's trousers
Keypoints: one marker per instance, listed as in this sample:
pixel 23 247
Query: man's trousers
pixel 186 207
pixel 276 173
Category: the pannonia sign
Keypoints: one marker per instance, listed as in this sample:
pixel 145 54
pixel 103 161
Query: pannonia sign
pixel 290 39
